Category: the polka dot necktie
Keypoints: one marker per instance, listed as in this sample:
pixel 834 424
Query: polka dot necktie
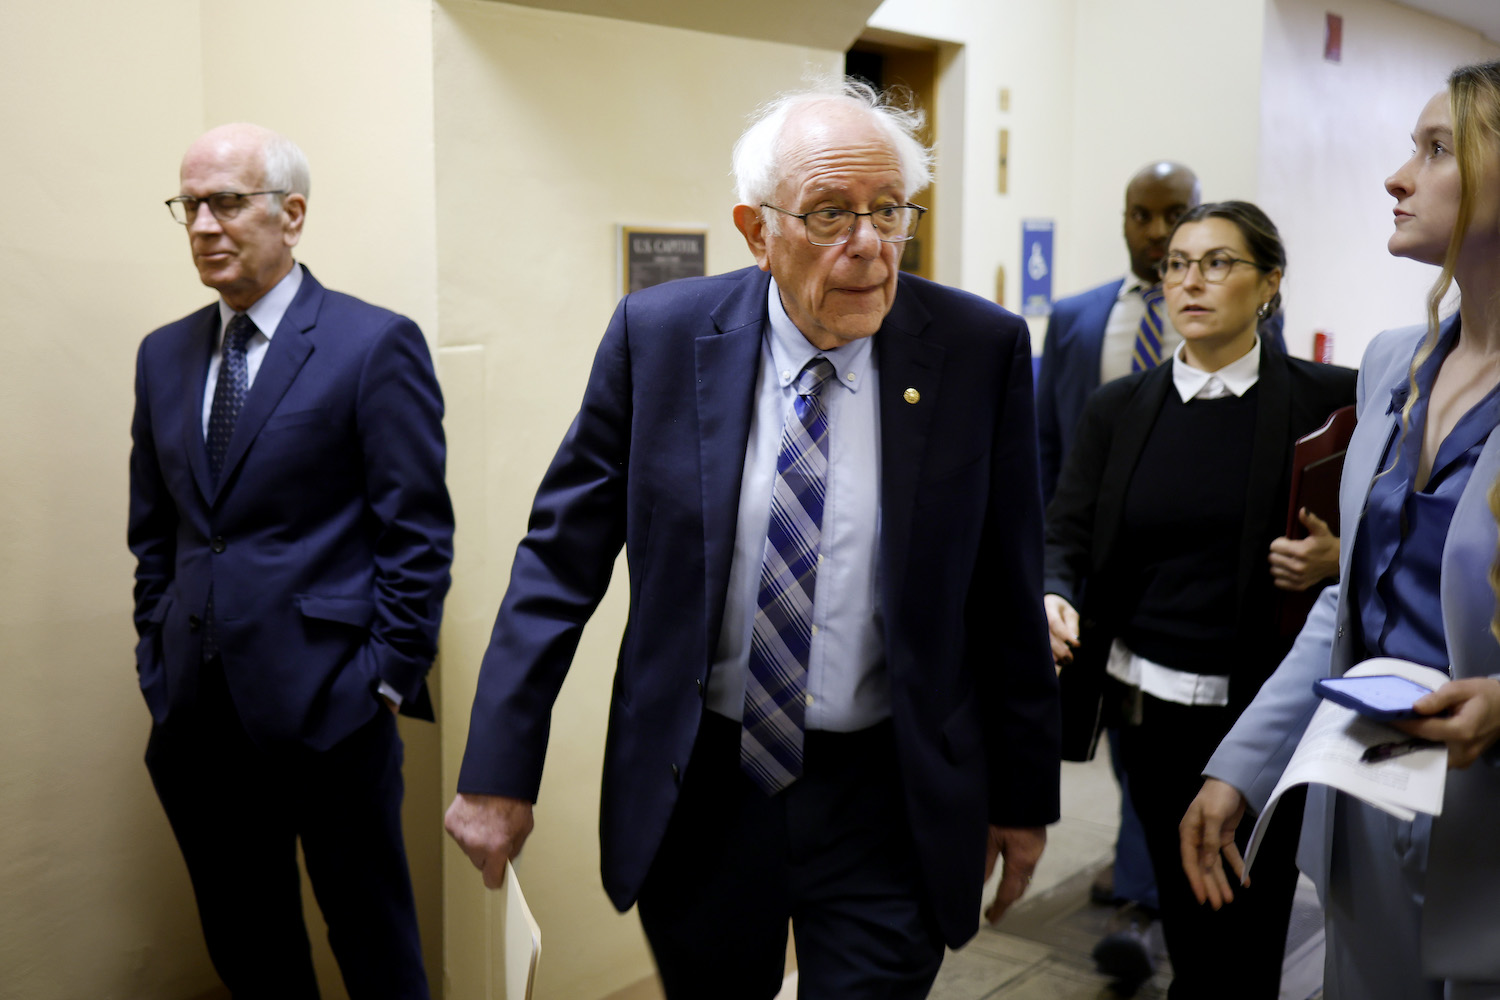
pixel 229 393
pixel 229 399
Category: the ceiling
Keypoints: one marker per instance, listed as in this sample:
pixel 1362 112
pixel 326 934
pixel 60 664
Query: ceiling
pixel 819 24
pixel 1481 15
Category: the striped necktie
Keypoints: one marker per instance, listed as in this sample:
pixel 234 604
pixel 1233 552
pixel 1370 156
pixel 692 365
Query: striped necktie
pixel 1147 353
pixel 781 638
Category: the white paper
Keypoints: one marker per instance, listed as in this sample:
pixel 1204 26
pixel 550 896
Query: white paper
pixel 1337 737
pixel 523 940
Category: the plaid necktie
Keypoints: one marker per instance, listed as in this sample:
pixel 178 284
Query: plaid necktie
pixel 1147 353
pixel 229 398
pixel 776 683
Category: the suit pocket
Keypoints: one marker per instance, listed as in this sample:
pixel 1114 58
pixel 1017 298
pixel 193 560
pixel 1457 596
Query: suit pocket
pixel 316 416
pixel 356 611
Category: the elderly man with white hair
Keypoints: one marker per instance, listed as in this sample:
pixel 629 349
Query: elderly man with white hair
pixel 834 702
pixel 292 535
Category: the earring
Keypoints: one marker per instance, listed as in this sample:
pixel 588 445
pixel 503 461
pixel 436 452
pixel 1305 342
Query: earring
pixel 1264 312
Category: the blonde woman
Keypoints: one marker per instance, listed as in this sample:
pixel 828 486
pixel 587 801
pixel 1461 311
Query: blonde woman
pixel 1412 909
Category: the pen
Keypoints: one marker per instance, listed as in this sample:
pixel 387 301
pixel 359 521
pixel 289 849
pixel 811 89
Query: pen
pixel 1399 748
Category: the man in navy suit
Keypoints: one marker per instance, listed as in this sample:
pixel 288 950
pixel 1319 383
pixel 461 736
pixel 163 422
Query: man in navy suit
pixel 913 723
pixel 293 534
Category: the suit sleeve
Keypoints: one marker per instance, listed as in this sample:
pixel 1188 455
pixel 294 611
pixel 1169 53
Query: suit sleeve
pixel 400 420
pixel 560 573
pixel 152 529
pixel 1048 426
pixel 1022 730
pixel 1071 514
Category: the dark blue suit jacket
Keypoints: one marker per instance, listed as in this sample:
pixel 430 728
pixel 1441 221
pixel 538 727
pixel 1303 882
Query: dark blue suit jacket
pixel 1070 370
pixel 327 538
pixel 653 461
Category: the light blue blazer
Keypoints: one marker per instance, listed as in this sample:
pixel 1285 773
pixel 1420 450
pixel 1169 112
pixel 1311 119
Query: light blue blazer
pixel 1461 916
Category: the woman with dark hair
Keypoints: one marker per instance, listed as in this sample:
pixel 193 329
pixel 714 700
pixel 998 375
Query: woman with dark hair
pixel 1159 532
pixel 1412 908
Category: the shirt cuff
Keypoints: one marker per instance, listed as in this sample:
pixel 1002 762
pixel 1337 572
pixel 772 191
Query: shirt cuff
pixel 389 692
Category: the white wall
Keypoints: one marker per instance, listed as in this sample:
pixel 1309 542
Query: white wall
pixel 1098 89
pixel 1330 135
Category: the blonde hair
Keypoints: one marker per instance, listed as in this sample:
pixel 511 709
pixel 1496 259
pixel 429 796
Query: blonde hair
pixel 1474 102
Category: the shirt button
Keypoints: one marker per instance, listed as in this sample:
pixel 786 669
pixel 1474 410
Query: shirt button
pixel 809 699
pixel 850 376
pixel 217 544
pixel 815 630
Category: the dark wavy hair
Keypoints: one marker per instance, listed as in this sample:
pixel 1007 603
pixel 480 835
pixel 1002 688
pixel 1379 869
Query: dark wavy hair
pixel 1261 236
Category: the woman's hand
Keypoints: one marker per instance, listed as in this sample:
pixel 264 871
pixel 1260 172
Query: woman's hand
pixel 1062 628
pixel 1472 724
pixel 1307 561
pixel 1206 831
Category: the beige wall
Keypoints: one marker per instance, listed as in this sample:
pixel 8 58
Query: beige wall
pixel 551 129
pixel 1330 135
pixel 100 103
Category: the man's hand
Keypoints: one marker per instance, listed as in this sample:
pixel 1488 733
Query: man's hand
pixel 1206 831
pixel 1472 724
pixel 491 830
pixel 390 704
pixel 1307 561
pixel 1062 628
pixel 1020 848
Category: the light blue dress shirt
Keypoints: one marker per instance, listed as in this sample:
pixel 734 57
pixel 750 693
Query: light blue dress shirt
pixel 847 686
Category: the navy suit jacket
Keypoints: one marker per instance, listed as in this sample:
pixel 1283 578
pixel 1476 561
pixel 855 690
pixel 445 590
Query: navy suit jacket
pixel 653 461
pixel 1070 370
pixel 327 538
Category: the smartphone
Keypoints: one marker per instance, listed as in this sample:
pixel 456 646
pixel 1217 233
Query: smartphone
pixel 1378 696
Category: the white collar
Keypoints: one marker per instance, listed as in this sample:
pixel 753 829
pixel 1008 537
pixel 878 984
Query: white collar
pixel 1235 378
pixel 266 311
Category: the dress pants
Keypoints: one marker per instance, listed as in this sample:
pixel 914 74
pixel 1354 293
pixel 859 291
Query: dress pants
pixel 832 853
pixel 1237 951
pixel 238 809
pixel 1374 912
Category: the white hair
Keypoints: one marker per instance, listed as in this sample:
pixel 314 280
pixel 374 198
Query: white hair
pixel 285 165
pixel 758 169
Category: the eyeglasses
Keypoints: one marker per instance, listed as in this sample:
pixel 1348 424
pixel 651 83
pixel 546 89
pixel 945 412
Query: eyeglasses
pixel 1214 267
pixel 832 227
pixel 225 205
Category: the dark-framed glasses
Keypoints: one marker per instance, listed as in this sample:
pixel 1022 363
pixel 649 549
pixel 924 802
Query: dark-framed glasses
pixel 1214 267
pixel 225 205
pixel 831 227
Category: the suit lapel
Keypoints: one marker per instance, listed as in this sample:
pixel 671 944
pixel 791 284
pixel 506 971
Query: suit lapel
pixel 1092 321
pixel 202 342
pixel 289 348
pixel 1269 462
pixel 726 362
pixel 1132 428
pixel 907 361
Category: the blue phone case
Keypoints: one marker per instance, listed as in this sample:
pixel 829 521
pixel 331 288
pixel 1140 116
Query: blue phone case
pixel 1376 696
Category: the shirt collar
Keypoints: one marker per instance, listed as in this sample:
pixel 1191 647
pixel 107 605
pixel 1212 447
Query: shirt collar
pixel 1132 287
pixel 1235 378
pixel 790 350
pixel 267 311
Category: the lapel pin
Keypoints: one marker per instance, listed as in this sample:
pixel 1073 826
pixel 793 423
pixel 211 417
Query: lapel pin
pixel 911 395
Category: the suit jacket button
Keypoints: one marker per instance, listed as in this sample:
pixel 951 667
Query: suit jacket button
pixel 194 623
pixel 699 682
pixel 217 544
pixel 676 774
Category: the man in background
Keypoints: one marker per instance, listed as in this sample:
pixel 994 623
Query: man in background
pixel 293 535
